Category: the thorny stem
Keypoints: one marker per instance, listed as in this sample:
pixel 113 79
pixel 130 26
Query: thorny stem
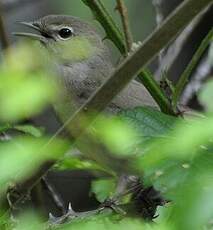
pixel 187 72
pixel 55 196
pixel 102 15
pixel 114 34
pixel 121 7
pixel 71 215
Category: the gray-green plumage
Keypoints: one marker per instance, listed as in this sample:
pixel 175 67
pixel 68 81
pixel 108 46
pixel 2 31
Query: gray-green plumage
pixel 80 73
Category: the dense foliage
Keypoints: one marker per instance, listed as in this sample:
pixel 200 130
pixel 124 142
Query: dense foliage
pixel 171 153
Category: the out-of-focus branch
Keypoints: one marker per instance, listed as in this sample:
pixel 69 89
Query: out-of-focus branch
pixel 121 7
pixel 3 35
pixel 54 195
pixel 202 72
pixel 187 73
pixel 170 55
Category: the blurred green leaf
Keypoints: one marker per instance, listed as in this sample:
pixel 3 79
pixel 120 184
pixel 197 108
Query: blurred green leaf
pixel 116 134
pixel 185 142
pixel 193 207
pixel 23 95
pixel 29 129
pixel 21 156
pixel 103 188
pixel 167 162
pixel 30 221
pixel 104 222
pixel 206 96
pixel 25 87
pixel 70 162
pixel 4 127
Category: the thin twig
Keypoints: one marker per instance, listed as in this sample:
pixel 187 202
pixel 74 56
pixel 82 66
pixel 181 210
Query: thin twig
pixel 188 71
pixel 54 195
pixel 121 7
pixel 71 215
pixel 114 34
pixel 3 35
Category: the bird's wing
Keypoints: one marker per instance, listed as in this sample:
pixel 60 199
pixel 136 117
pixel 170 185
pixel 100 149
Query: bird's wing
pixel 135 94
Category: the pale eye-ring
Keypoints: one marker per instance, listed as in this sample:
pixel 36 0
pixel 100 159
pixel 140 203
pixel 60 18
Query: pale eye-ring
pixel 65 33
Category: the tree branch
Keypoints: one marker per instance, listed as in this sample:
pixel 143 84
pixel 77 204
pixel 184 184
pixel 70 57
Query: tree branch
pixel 54 195
pixel 125 22
pixel 114 34
pixel 187 73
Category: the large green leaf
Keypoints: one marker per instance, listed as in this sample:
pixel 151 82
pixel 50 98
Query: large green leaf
pixel 149 122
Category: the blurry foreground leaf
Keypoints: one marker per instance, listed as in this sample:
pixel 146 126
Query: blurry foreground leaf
pixel 21 156
pixel 166 163
pixel 112 222
pixel 117 135
pixel 71 162
pixel 103 188
pixel 29 221
pixel 25 87
pixel 23 95
pixel 27 129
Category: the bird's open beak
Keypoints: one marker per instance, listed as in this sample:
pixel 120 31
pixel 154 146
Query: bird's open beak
pixel 31 35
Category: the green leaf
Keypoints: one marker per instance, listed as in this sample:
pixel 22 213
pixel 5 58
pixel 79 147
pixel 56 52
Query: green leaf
pixel 107 221
pixel 117 135
pixel 26 87
pixel 29 129
pixel 149 122
pixel 21 156
pixel 23 95
pixel 103 188
pixel 71 162
pixel 4 127
pixel 29 221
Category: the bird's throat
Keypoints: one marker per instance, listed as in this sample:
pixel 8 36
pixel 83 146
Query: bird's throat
pixel 74 50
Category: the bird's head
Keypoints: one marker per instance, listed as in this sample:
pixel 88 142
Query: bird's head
pixel 67 37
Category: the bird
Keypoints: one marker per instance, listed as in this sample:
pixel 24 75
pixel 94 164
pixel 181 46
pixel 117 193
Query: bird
pixel 82 62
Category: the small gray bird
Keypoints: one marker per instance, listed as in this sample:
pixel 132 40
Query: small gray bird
pixel 82 62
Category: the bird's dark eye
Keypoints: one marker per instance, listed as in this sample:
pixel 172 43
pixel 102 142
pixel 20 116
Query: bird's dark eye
pixel 65 33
